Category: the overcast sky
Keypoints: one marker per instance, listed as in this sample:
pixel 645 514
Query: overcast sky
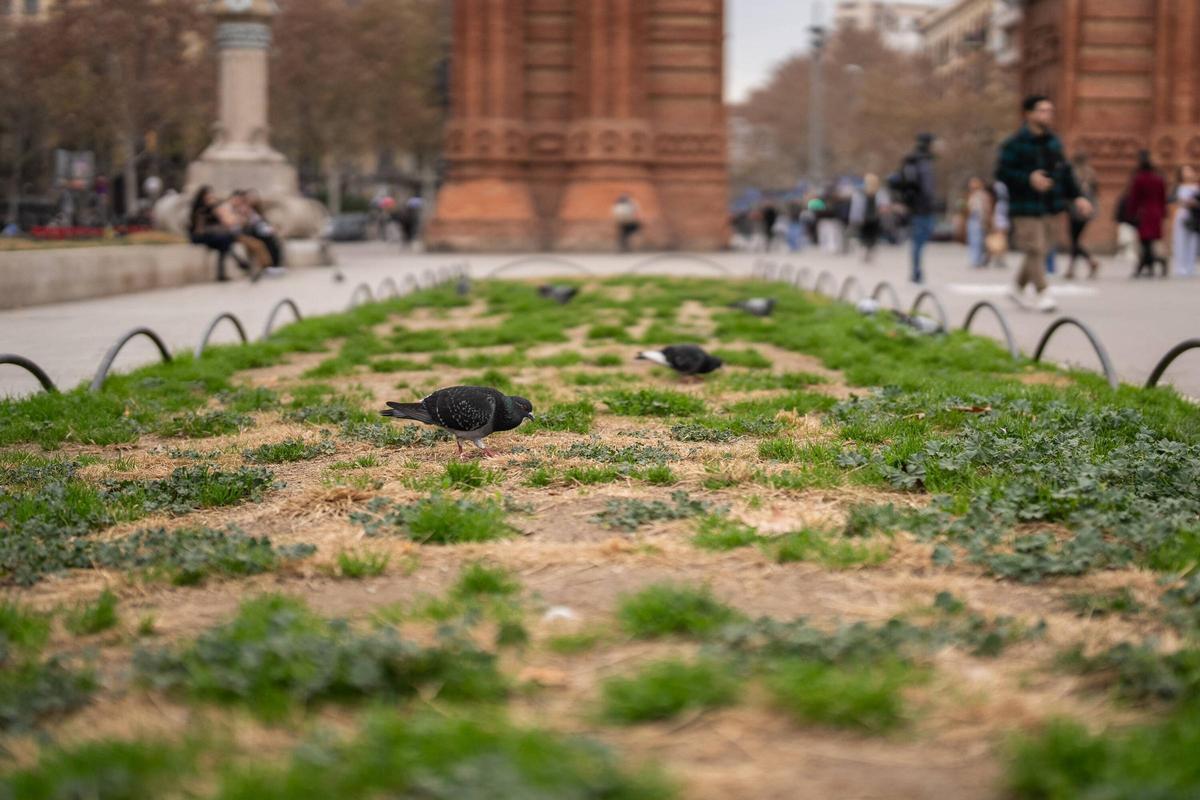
pixel 762 33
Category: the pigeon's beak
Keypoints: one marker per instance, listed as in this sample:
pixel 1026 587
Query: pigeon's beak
pixel 529 416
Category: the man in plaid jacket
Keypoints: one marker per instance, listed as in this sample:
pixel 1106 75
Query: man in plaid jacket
pixel 1040 183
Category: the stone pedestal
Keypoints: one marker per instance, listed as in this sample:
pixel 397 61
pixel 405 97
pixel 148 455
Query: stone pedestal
pixel 240 156
pixel 561 106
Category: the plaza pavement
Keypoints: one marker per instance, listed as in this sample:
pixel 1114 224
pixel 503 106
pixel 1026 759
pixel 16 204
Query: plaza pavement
pixel 1138 321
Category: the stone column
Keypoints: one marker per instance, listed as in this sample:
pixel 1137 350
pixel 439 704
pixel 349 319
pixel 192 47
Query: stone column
pixel 610 142
pixel 1175 137
pixel 486 201
pixel 241 156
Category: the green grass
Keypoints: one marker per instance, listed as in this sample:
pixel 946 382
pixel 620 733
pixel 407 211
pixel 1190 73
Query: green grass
pixel 631 513
pixel 359 565
pixel 659 475
pixel 1102 604
pixel 665 689
pixel 567 358
pixel 588 476
pixel 437 519
pixel 102 770
pixel 573 417
pixel 277 655
pixel 191 555
pixel 1065 761
pixel 608 360
pixel 673 610
pixel 862 697
pixel 22 630
pixel 199 425
pixel 652 403
pixel 468 475
pixel 715 532
pixel 398 365
pixel 797 402
pixel 569 644
pixel 725 428
pixel 477 580
pixel 826 549
pixel 751 359
pixel 288 450
pixel 445 755
pixel 614 332
pixel 95 617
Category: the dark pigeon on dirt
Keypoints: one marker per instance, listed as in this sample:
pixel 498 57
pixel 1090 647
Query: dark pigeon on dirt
pixel 471 413
pixel 686 359
pixel 758 306
pixel 558 292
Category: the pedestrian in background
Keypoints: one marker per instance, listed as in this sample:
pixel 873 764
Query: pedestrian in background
pixel 1089 186
pixel 914 186
pixel 868 206
pixel 627 215
pixel 979 205
pixel 796 238
pixel 1186 228
pixel 1039 182
pixel 1148 206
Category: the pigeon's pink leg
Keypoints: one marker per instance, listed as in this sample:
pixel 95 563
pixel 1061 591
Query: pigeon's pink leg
pixel 459 443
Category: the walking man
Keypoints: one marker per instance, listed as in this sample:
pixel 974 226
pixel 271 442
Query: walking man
pixel 914 186
pixel 1040 181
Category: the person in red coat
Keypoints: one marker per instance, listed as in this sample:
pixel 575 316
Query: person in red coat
pixel 1148 206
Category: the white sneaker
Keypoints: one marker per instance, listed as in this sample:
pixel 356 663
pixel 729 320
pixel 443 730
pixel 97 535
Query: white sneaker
pixel 1017 295
pixel 1046 304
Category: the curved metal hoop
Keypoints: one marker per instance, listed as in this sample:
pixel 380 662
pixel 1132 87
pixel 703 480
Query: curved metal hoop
pixel 411 284
pixel 695 259
pixel 111 355
pixel 1008 337
pixel 390 284
pixel 521 262
pixel 821 281
pixel 30 367
pixel 212 326
pixel 361 290
pixel 785 273
pixel 1174 353
pixel 937 305
pixel 1105 362
pixel 885 286
pixel 844 292
pixel 290 303
pixel 800 277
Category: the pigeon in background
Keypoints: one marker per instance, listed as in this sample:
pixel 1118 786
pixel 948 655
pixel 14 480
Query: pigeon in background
pixel 471 413
pixel 558 292
pixel 339 276
pixel 463 287
pixel 868 306
pixel 758 306
pixel 686 359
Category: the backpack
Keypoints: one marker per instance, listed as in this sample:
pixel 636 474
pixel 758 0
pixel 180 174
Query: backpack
pixel 905 183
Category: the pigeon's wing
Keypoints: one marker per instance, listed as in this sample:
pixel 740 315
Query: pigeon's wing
pixel 464 409
pixel 686 358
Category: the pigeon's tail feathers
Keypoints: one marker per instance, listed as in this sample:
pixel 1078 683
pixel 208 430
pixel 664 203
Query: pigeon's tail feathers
pixel 656 356
pixel 408 411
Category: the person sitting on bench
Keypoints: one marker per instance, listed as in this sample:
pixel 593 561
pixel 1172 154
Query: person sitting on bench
pixel 210 225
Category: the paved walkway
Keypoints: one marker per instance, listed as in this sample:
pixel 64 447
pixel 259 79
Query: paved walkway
pixel 1137 321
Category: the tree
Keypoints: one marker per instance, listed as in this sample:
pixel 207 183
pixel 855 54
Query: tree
pixel 877 100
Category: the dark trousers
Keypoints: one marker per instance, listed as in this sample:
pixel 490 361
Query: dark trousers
pixel 1077 248
pixel 222 242
pixel 1149 259
pixel 625 232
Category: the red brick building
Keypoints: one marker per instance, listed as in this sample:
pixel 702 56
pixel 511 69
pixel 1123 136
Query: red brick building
pixel 560 106
pixel 1125 75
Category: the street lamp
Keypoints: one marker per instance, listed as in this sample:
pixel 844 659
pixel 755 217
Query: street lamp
pixel 816 114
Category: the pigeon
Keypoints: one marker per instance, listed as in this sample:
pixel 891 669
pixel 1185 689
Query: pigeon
pixel 686 359
pixel 339 276
pixel 471 413
pixel 463 287
pixel 758 306
pixel 558 292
